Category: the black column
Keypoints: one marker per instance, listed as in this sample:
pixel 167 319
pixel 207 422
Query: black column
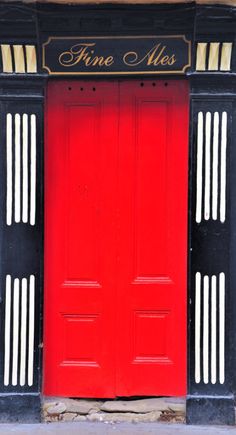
pixel 211 362
pixel 211 336
pixel 21 197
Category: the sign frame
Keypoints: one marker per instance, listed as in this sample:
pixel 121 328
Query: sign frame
pixel 107 73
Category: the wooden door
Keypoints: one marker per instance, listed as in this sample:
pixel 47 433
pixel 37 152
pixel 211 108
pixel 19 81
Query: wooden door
pixel 151 336
pixel 115 238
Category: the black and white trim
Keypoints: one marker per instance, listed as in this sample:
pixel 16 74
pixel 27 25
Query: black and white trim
pixel 21 168
pixel 21 248
pixel 210 398
pixel 211 154
pixel 210 328
pixel 19 331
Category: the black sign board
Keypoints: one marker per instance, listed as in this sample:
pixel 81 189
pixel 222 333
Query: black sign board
pixel 117 55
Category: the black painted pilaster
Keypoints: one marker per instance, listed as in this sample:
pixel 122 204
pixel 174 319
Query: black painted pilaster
pixel 21 248
pixel 211 358
pixel 210 397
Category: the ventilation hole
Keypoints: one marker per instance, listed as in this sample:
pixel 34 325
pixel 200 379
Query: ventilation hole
pixel 81 89
pixel 94 89
pixel 69 89
pixel 166 84
pixel 154 84
pixel 142 84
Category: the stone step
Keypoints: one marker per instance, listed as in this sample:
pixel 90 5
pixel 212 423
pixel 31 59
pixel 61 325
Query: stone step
pixel 135 410
pixel 119 417
pixel 144 405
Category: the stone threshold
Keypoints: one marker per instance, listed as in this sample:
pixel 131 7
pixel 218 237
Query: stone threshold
pixel 155 409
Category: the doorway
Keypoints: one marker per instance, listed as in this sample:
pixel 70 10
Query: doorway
pixel 116 177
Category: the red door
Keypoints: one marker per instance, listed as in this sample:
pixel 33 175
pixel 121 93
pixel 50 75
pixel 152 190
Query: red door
pixel 115 238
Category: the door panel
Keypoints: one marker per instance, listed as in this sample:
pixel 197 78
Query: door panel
pixel 152 235
pixel 115 238
pixel 80 248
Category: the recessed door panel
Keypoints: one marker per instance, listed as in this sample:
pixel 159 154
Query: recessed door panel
pixel 83 228
pixel 150 149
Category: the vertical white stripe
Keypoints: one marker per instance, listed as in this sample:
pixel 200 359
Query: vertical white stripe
pixel 215 166
pixel 33 171
pixel 223 167
pixel 206 329
pixel 25 169
pixel 222 329
pixel 23 331
pixel 197 326
pixel 7 330
pixel 207 165
pixel 15 332
pixel 213 329
pixel 31 329
pixel 17 168
pixel 9 169
pixel 199 167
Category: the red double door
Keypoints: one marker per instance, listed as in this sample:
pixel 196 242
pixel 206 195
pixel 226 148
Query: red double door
pixel 115 238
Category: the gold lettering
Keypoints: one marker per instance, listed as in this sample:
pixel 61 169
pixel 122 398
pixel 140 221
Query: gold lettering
pixel 172 60
pixel 83 53
pixel 155 56
pixel 131 58
pixel 75 54
pixel 164 60
pixel 97 60
pixel 109 61
pixel 155 61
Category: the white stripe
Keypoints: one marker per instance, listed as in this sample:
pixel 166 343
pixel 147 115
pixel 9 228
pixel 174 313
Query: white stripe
pixel 33 171
pixel 23 331
pixel 25 169
pixel 7 330
pixel 31 330
pixel 197 326
pixel 15 332
pixel 223 167
pixel 17 168
pixel 213 329
pixel 207 166
pixel 199 167
pixel 206 329
pixel 215 166
pixel 9 170
pixel 222 329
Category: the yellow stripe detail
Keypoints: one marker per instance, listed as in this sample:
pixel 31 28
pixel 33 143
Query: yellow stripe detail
pixel 226 56
pixel 19 59
pixel 201 56
pixel 31 59
pixel 213 63
pixel 6 58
